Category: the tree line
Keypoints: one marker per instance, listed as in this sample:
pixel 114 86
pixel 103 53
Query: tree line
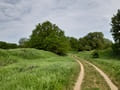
pixel 50 37
pixel 5 45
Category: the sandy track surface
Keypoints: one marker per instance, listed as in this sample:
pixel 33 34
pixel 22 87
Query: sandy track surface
pixel 80 77
pixel 109 82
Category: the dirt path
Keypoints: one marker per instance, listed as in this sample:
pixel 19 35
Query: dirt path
pixel 80 77
pixel 109 82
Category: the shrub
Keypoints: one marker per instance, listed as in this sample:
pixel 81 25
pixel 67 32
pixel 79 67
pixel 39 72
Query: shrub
pixel 95 54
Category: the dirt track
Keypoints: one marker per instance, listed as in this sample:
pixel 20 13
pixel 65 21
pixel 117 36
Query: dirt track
pixel 80 77
pixel 109 82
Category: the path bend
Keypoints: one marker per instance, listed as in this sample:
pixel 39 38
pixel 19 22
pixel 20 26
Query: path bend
pixel 80 77
pixel 107 79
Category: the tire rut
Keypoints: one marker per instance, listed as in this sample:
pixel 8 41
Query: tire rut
pixel 109 82
pixel 80 77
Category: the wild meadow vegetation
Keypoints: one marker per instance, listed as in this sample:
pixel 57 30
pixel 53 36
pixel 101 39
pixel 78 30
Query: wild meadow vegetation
pixel 106 61
pixel 31 69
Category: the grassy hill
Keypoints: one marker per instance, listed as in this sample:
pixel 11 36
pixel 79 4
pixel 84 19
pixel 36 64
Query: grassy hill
pixel 31 69
pixel 106 61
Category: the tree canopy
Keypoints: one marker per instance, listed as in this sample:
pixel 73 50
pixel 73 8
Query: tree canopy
pixel 23 42
pixel 50 37
pixel 93 40
pixel 73 43
pixel 115 23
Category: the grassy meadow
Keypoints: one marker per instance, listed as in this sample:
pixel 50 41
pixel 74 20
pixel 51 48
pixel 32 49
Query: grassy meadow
pixel 31 69
pixel 107 62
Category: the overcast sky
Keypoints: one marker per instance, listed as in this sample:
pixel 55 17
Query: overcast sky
pixel 76 17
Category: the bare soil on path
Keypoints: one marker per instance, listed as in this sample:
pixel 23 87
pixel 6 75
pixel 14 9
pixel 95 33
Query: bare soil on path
pixel 109 82
pixel 80 77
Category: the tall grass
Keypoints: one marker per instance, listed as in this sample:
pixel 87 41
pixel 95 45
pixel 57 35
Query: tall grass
pixel 31 69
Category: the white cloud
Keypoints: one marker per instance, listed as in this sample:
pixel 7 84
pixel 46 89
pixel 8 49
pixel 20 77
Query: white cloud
pixel 77 17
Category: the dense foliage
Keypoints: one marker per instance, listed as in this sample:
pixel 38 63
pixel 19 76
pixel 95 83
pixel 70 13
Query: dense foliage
pixel 73 43
pixel 116 32
pixel 5 45
pixel 93 40
pixel 23 42
pixel 48 36
pixel 95 54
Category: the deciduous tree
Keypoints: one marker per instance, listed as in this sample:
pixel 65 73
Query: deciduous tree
pixel 116 32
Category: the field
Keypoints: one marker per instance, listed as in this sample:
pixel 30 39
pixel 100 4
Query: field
pixel 31 69
pixel 107 62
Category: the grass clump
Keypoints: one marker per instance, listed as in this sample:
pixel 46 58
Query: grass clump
pixel 95 54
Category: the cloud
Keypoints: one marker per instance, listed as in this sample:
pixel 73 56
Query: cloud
pixel 77 17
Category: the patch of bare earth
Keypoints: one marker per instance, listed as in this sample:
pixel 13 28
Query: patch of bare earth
pixel 80 77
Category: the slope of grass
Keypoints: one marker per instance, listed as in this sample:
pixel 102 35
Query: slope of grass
pixel 31 69
pixel 107 62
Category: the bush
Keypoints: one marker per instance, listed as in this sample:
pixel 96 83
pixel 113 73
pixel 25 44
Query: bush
pixel 95 54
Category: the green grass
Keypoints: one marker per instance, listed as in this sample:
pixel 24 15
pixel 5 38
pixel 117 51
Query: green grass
pixel 107 62
pixel 31 69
